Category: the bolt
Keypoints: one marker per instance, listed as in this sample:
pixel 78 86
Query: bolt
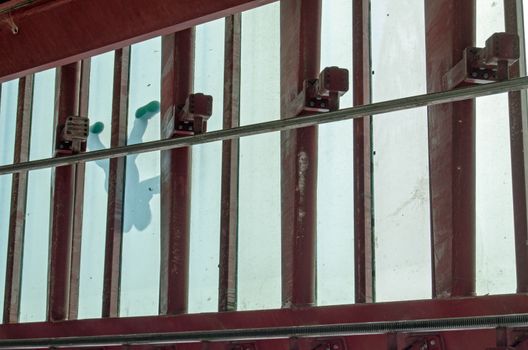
pixel 432 342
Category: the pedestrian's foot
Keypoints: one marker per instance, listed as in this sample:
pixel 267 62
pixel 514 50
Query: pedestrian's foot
pixel 97 128
pixel 148 111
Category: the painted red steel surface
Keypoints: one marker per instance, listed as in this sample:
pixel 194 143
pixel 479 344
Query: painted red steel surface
pixel 64 31
pixel 517 108
pixel 363 249
pixel 300 56
pixel 393 311
pixel 116 186
pixel 15 244
pixel 450 28
pixel 227 289
pixel 177 83
pixel 62 211
pixel 78 200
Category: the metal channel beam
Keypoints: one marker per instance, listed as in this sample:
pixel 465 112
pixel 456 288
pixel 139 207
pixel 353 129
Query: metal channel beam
pixel 363 249
pixel 300 57
pixel 116 186
pixel 78 201
pixel 65 31
pixel 359 318
pixel 280 125
pixel 177 84
pixel 227 291
pixel 62 209
pixel 15 244
pixel 450 28
pixel 517 101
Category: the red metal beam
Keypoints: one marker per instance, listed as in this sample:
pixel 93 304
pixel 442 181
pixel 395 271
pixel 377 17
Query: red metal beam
pixel 78 200
pixel 300 56
pixel 227 290
pixel 67 104
pixel 450 28
pixel 17 220
pixel 363 251
pixel 65 31
pixel 329 315
pixel 517 106
pixel 177 83
pixel 116 186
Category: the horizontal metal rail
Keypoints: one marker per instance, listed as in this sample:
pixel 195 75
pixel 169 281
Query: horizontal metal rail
pixel 277 125
pixel 436 325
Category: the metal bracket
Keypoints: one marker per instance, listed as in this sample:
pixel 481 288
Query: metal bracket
pixel 193 116
pixel 485 65
pixel 425 342
pixel 72 135
pixel 322 94
pixel 329 344
pixel 242 346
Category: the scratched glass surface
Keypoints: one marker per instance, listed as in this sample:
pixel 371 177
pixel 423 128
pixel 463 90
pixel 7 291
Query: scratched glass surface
pixel 36 240
pixel 96 188
pixel 494 217
pixel 8 114
pixel 259 269
pixel 141 222
pixel 335 192
pixel 207 173
pixel 401 174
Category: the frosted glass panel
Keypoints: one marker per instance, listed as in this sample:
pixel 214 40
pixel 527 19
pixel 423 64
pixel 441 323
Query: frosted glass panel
pixel 207 173
pixel 495 235
pixel 8 114
pixel 401 175
pixel 36 240
pixel 96 188
pixel 259 269
pixel 141 241
pixel 335 191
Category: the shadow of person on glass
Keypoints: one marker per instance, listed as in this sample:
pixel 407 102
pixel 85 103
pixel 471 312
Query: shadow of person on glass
pixel 138 193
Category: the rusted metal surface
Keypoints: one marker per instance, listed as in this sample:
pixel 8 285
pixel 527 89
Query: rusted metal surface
pixel 64 31
pixel 300 57
pixel 177 83
pixel 15 242
pixel 450 28
pixel 78 200
pixel 363 248
pixel 227 290
pixel 518 128
pixel 116 186
pixel 62 212
pixel 330 315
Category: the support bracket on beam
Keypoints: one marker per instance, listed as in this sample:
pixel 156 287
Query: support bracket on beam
pixel 193 116
pixel 485 65
pixel 425 342
pixel 72 135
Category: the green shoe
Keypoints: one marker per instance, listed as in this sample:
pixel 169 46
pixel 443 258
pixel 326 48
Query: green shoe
pixel 97 128
pixel 148 111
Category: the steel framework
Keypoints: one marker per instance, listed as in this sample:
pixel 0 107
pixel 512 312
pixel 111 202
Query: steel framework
pixel 67 32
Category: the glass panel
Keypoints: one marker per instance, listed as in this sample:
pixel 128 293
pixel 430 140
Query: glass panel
pixel 36 240
pixel 335 192
pixel 207 173
pixel 96 188
pixel 495 235
pixel 259 269
pixel 401 175
pixel 8 115
pixel 141 242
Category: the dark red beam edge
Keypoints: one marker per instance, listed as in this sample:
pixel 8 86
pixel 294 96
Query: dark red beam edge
pixel 343 314
pixel 363 215
pixel 450 28
pixel 66 31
